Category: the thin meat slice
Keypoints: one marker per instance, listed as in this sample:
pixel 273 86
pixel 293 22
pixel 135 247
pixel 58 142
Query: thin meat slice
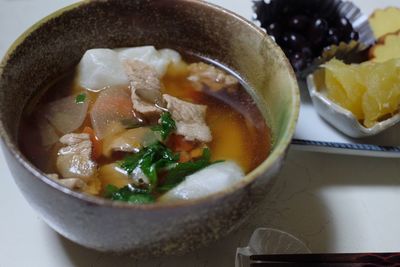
pixel 144 78
pixel 75 158
pixel 189 119
pixel 201 74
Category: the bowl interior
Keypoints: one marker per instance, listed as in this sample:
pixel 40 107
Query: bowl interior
pixel 56 44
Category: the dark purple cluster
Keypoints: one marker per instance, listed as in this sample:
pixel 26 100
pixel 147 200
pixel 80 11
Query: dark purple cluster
pixel 303 37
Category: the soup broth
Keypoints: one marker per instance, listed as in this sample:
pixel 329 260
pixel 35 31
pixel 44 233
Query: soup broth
pixel 239 132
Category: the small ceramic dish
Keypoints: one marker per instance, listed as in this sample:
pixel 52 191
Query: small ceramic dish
pixel 339 117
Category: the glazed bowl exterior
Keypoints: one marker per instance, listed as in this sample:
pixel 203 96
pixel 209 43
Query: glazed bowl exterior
pixel 55 45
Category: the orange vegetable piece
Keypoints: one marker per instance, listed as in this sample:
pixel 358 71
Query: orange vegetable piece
pixel 97 144
pixel 184 157
pixel 178 143
pixel 196 153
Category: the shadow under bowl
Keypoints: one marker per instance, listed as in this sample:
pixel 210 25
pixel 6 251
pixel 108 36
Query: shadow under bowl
pixel 55 45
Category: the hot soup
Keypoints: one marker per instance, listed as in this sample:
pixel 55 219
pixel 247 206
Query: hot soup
pixel 142 125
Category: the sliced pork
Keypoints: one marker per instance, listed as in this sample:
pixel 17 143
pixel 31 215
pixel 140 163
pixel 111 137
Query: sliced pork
pixel 143 77
pixel 75 158
pixel 189 119
pixel 202 74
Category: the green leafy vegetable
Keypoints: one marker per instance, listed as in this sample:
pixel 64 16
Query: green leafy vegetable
pixel 81 98
pixel 179 171
pixel 150 160
pixel 159 161
pixel 129 193
pixel 166 126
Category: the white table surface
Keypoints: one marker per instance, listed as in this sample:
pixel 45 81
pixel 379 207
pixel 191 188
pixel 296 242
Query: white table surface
pixel 334 203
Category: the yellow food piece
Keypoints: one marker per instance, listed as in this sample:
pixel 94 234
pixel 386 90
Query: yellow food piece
pixel 345 86
pixel 387 48
pixel 93 187
pixel 112 174
pixel 371 91
pixel 384 21
pixel 177 69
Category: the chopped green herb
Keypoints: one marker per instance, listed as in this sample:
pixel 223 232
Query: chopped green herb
pixel 150 160
pixel 129 193
pixel 110 190
pixel 166 126
pixel 178 172
pixel 81 98
pixel 157 160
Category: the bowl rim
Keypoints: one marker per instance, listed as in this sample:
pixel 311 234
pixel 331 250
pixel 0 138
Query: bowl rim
pixel 277 152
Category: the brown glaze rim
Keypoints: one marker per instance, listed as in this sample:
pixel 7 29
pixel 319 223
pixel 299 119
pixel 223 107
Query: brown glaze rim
pixel 277 152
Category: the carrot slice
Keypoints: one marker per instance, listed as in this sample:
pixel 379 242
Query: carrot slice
pixel 184 157
pixel 178 143
pixel 197 152
pixel 97 144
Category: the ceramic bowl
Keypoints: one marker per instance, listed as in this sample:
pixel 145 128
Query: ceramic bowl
pixel 55 44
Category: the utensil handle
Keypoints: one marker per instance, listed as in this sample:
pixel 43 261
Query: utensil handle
pixel 317 264
pixel 371 258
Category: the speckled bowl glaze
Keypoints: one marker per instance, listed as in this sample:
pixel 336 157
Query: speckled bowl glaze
pixel 55 45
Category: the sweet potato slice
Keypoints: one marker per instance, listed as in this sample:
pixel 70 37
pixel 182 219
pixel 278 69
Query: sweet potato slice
pixel 384 21
pixel 388 47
